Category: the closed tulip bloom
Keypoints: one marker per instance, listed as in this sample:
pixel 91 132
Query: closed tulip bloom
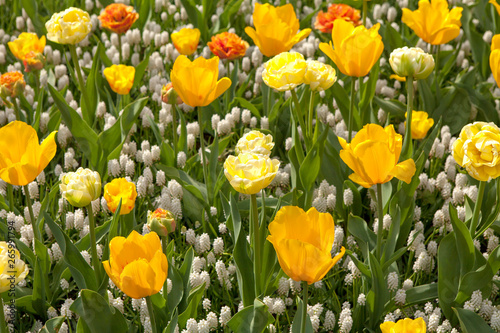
pixel 22 158
pixel 249 173
pixel 324 20
pixel 80 188
pixel 12 84
pixel 196 82
pixel 433 21
pixel 120 78
pixel 168 94
pixel 495 58
pixel 276 29
pixel 69 27
pixel 373 155
pixel 227 45
pixel 303 242
pixel 420 124
pixel 285 71
pixel 120 189
pixel 478 150
pixel 255 142
pixel 186 40
pixel 12 269
pixel 319 76
pixel 354 49
pixel 24 44
pixel 137 264
pixel 161 221
pixel 411 62
pixel 406 325
pixel 118 17
pixel 33 61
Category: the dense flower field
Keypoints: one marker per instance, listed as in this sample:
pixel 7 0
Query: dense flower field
pixel 244 166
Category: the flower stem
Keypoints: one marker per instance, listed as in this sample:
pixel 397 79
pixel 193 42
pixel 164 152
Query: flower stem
pixel 380 211
pixel 256 243
pixel 78 70
pixel 174 131
pixel 34 224
pixel 16 109
pixel 3 323
pixel 93 245
pixel 351 109
pixel 311 112
pixel 477 208
pixel 436 68
pixel 151 314
pixel 11 197
pixel 305 292
pixel 300 117
pixel 120 48
pixel 164 245
pixel 407 148
pixel 365 11
pixel 202 144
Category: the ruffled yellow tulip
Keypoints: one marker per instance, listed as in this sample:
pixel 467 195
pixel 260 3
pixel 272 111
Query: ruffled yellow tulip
pixel 406 325
pixel 186 40
pixel 120 78
pixel 495 58
pixel 420 124
pixel 137 264
pixel 196 82
pixel 354 49
pixel 433 21
pixel 120 189
pixel 12 269
pixel 26 42
pixel 80 188
pixel 22 158
pixel 303 241
pixel 285 71
pixel 255 142
pixel 69 27
pixel 373 155
pixel 276 29
pixel 319 76
pixel 478 150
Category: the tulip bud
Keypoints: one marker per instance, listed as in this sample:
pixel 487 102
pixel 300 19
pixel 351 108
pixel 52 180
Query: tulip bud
pixel 161 221
pixel 33 61
pixel 82 187
pixel 169 95
pixel 411 62
pixel 12 84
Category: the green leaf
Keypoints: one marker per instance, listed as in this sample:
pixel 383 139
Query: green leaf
pixel 230 9
pixel 343 102
pixel 365 237
pixel 252 319
pixel 309 169
pixel 464 243
pixel 470 322
pixel 53 325
pixel 185 272
pixel 176 294
pixel 31 8
pixel 380 292
pixel 94 81
pixel 247 105
pixel 139 72
pixel 422 294
pixel 297 319
pixel 172 324
pixel 448 274
pixel 193 300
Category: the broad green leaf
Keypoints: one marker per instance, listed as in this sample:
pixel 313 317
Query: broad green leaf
pixel 53 325
pixel 193 301
pixel 252 319
pixel 471 322
pixel 448 274
pixel 464 243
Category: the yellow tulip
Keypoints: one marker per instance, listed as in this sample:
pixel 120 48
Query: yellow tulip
pixel 406 325
pixel 12 269
pixel 80 188
pixel 26 42
pixel 373 155
pixel 186 40
pixel 120 78
pixel 137 264
pixel 276 29
pixel 420 124
pixel 285 71
pixel 477 150
pixel 255 142
pixel 495 58
pixel 319 76
pixel 196 82
pixel 433 21
pixel 249 173
pixel 69 27
pixel 22 158
pixel 497 6
pixel 117 189
pixel 354 49
pixel 303 241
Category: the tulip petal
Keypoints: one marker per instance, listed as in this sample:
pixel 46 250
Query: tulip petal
pixel 497 6
pixel 387 327
pixel 47 151
pixel 404 171
pixel 221 86
pixel 138 279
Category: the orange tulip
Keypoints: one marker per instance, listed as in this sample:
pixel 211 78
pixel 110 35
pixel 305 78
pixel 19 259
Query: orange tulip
pixel 324 20
pixel 118 17
pixel 227 45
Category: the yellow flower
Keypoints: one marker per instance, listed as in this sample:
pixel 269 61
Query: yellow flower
pixel 319 76
pixel 26 42
pixel 411 62
pixel 495 58
pixel 420 124
pixel 354 49
pixel 12 269
pixel 397 77
pixel 373 155
pixel 137 264
pixel 406 325
pixel 303 241
pixel 433 21
pixel 161 221
pixel 69 27
pixel 497 6
pixel 120 78
pixel 285 71
pixel 276 29
pixel 196 82
pixel 249 173
pixel 255 142
pixel 22 158
pixel 478 150
pixel 186 40
pixel 117 189
pixel 80 188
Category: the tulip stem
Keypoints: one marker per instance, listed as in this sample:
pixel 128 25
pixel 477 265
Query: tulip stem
pixel 16 108
pixel 151 314
pixel 78 70
pixel 477 208
pixel 380 230
pixel 365 11
pixel 300 117
pixel 174 131
pixel 93 245
pixel 436 68
pixel 311 112
pixel 407 147
pixel 305 295
pixel 203 153
pixel 120 48
pixel 3 323
pixel 351 108
pixel 164 245
pixel 256 243
pixel 11 197
pixel 34 224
